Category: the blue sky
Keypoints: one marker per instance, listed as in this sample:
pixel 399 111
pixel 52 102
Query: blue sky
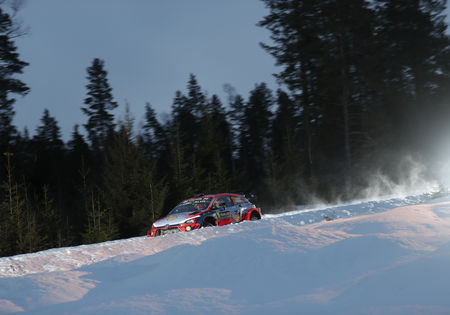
pixel 149 47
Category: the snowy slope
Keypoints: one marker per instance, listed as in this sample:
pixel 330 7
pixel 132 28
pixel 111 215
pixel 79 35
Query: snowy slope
pixel 372 257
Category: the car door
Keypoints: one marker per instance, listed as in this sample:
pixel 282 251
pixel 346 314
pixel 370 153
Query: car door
pixel 242 207
pixel 234 209
pixel 226 213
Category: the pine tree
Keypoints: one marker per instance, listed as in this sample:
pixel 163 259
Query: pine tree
pixel 285 124
pixel 154 138
pixel 10 66
pixel 52 225
pixel 34 238
pixel 324 48
pixel 187 112
pixel 287 156
pixel 184 121
pixel 349 30
pixel 100 225
pixel 254 139
pixel 78 164
pixel 49 134
pixel 214 150
pixel 181 170
pixel 99 104
pixel 236 121
pixel 49 159
pixel 295 27
pixel 196 100
pixel 132 193
pixel 7 231
pixel 415 70
pixel 185 133
pixel 78 151
pixel 19 228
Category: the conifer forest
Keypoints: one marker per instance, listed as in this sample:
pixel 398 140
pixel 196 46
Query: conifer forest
pixel 362 85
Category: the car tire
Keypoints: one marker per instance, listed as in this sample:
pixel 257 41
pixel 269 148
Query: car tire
pixel 207 223
pixel 254 216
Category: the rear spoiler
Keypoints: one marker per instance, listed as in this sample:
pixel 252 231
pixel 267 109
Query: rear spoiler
pixel 249 196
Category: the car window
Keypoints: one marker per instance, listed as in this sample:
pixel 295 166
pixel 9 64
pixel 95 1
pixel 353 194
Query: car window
pixel 192 205
pixel 224 199
pixel 238 200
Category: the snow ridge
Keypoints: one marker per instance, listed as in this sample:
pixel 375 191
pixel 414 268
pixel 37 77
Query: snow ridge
pixel 70 258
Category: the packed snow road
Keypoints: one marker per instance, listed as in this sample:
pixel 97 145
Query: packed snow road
pixel 386 256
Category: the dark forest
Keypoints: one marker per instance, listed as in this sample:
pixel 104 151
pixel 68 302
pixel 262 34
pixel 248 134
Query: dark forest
pixel 365 85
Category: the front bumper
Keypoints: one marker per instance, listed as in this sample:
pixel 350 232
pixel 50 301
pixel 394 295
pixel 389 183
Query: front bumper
pixel 172 229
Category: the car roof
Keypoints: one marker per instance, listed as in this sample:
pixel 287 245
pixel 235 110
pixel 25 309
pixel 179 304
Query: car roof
pixel 215 195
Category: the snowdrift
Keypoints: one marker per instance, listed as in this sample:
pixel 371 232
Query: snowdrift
pixel 380 257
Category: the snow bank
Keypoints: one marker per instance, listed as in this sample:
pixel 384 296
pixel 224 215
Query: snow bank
pixel 367 257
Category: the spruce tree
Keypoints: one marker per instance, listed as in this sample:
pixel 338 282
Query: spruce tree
pixel 255 134
pixel 287 156
pixel 285 123
pixel 100 226
pixel 154 137
pixel 10 66
pixel 295 27
pixel 48 160
pixel 20 227
pixel 348 27
pixel 180 166
pixel 34 238
pixel 49 134
pixel 214 151
pixel 236 120
pixel 77 166
pixel 187 111
pixel 324 48
pixel 196 100
pixel 184 121
pixel 133 195
pixel 99 105
pixel 52 225
pixel 78 149
pixel 415 69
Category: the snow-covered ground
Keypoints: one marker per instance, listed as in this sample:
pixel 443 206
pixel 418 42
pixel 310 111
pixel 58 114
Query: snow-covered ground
pixel 369 257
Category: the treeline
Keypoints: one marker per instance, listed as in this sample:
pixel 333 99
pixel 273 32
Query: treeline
pixel 364 82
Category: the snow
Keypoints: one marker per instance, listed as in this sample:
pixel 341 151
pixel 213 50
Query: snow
pixel 368 257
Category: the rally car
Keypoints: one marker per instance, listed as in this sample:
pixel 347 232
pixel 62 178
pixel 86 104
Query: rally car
pixel 206 210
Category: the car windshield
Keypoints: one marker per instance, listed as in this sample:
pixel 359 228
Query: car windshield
pixel 192 205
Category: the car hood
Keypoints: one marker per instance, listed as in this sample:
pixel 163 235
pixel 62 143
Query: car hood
pixel 174 219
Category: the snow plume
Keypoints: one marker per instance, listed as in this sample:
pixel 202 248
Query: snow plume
pixel 291 196
pixel 404 177
pixel 410 177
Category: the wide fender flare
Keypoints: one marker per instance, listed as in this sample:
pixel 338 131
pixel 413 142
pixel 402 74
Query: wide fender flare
pixel 250 212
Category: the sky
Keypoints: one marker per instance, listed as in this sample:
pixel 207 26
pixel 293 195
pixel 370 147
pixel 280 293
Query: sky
pixel 149 47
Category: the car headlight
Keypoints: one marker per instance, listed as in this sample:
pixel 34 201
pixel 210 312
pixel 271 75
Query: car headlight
pixel 191 220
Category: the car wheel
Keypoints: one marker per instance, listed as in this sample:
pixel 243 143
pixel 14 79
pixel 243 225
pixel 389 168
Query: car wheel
pixel 207 223
pixel 254 216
